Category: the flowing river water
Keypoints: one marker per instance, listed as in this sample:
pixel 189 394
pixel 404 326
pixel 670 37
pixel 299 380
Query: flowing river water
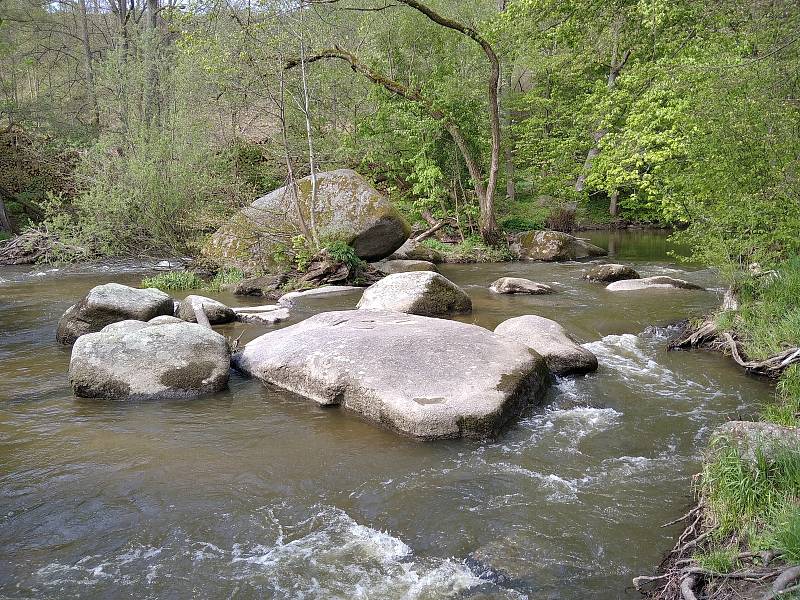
pixel 256 493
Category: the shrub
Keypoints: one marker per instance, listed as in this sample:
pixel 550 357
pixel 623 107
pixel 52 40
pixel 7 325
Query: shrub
pixel 174 280
pixel 344 253
pixel 516 224
pixel 561 219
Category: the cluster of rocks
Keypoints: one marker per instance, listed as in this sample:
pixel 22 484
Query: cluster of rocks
pixel 392 360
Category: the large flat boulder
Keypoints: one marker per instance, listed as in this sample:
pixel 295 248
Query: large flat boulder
pixel 563 355
pixel 216 312
pixel 417 293
pixel 660 282
pixel 427 378
pixel 552 246
pixel 519 285
pixel 347 208
pixel 610 273
pixel 134 360
pixel 109 303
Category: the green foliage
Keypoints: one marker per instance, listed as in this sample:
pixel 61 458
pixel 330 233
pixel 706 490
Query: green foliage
pixel 4 235
pixel 786 535
pixel 224 277
pixel 302 252
pixel 748 499
pixel 471 250
pixel 718 561
pixel 344 253
pixel 769 315
pixel 786 408
pixel 174 280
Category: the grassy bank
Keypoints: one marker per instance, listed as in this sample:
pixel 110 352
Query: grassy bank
pixel 749 499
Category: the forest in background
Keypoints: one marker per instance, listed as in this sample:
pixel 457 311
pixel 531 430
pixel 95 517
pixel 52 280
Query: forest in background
pixel 133 126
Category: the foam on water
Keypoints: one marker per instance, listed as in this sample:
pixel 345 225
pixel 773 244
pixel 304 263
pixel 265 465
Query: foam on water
pixel 327 555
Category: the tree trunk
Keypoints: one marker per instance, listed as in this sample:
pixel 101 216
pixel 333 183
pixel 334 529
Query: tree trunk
pixel 5 222
pixel 614 71
pixel 613 207
pixel 88 69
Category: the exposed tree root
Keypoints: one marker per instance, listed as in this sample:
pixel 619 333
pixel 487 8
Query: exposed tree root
pixel 681 577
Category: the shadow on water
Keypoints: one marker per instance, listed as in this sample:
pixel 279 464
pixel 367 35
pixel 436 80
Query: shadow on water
pixel 257 493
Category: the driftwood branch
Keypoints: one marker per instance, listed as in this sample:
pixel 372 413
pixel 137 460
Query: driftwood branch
pixel 200 313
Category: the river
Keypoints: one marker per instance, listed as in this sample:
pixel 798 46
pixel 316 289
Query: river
pixel 256 493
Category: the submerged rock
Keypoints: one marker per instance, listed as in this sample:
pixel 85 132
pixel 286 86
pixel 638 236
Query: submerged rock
pixel 755 439
pixel 347 208
pixel 109 303
pixel 563 355
pixel 216 312
pixel 518 285
pixel 134 360
pixel 390 267
pixel 610 273
pixel 660 282
pixel 552 246
pixel 427 378
pixel 418 293
pixel 412 250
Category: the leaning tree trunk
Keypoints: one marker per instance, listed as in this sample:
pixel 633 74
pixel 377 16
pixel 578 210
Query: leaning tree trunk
pixel 594 151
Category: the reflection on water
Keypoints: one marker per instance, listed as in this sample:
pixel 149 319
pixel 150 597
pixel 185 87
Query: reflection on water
pixel 256 493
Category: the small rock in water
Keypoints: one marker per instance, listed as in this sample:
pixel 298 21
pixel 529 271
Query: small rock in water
pixel 109 303
pixel 412 250
pixel 137 360
pixel 660 282
pixel 389 267
pixel 256 309
pixel 427 378
pixel 417 293
pixel 518 285
pixel 328 290
pixel 563 355
pixel 610 273
pixel 216 312
pixel 552 246
pixel 263 318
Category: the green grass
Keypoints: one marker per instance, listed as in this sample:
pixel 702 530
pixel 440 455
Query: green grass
pixel 786 409
pixel 768 319
pixel 225 276
pixel 174 280
pixel 4 235
pixel 722 560
pixel 471 250
pixel 751 500
pixel 786 537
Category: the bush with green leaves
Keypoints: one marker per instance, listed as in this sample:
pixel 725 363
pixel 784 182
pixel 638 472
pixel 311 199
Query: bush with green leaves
pixel 174 280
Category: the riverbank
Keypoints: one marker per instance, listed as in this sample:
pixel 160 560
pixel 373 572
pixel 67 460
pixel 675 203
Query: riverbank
pixel 743 537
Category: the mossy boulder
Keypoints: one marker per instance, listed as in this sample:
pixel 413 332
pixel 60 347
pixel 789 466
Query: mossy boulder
pixel 347 208
pixel 135 360
pixel 416 293
pixel 109 303
pixel 610 273
pixel 552 246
